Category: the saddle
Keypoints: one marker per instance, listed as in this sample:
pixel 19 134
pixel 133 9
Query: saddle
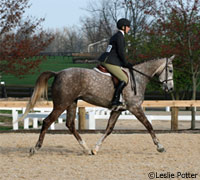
pixel 114 79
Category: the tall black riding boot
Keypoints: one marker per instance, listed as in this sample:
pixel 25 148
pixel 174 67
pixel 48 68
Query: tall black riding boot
pixel 118 91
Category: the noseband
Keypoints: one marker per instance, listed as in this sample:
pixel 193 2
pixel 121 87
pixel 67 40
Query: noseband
pixel 166 73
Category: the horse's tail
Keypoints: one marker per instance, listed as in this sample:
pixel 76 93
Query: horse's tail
pixel 41 89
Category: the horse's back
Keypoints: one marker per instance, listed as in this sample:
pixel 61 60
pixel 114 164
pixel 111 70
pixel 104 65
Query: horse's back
pixel 86 84
pixel 82 76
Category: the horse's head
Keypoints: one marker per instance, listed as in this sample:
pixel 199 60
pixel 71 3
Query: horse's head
pixel 166 75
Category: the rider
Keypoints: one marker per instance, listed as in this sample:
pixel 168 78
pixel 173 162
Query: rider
pixel 114 58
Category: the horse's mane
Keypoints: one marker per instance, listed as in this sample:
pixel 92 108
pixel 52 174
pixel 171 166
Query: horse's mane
pixel 147 61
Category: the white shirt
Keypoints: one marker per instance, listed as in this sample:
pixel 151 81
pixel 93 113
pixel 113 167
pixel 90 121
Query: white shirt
pixel 122 32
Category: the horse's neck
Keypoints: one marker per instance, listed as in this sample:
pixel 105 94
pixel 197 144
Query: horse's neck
pixel 150 68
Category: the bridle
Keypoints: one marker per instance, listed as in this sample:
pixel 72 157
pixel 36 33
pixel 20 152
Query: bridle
pixel 166 73
pixel 150 78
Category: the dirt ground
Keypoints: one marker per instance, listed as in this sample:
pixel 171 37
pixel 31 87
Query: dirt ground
pixel 135 125
pixel 122 157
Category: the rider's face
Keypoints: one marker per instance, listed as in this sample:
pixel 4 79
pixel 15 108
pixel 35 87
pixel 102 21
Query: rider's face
pixel 126 29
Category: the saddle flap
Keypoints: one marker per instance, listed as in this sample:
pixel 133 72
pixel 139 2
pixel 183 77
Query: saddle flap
pixel 115 79
pixel 102 69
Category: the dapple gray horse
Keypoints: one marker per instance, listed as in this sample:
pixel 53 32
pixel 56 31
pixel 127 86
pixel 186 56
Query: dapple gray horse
pixel 72 84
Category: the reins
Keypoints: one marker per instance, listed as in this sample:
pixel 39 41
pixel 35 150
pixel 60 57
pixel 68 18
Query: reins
pixel 151 78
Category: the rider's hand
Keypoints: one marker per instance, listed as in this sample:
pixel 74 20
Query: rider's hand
pixel 129 65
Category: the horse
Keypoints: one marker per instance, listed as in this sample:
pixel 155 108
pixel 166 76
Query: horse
pixel 73 84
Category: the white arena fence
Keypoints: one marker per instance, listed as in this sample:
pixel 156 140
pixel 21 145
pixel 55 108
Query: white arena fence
pixel 92 115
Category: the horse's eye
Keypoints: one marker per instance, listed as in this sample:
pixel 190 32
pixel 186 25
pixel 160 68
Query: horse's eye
pixel 170 71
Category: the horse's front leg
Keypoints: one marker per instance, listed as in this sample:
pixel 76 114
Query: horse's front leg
pixel 139 113
pixel 110 126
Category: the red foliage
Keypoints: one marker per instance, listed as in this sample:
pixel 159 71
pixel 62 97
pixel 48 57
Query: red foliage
pixel 20 40
pixel 178 26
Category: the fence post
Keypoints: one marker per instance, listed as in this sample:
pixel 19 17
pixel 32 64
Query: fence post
pixel 81 119
pixel 35 123
pixel 174 118
pixel 26 123
pixel 14 119
pixel 3 89
pixel 92 123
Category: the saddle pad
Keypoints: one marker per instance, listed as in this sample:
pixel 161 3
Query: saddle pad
pixel 105 73
pixel 101 69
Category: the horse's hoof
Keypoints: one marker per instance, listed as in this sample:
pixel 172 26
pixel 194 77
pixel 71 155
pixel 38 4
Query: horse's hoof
pixel 93 152
pixel 32 151
pixel 161 149
pixel 87 152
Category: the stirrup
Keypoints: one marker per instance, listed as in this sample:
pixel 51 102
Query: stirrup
pixel 117 103
pixel 121 107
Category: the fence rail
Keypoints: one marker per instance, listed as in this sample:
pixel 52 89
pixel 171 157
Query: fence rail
pixel 84 107
pixel 22 91
pixel 49 104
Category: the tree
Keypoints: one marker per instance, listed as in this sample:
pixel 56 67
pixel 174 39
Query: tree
pixel 105 14
pixel 135 11
pixel 101 24
pixel 68 39
pixel 178 26
pixel 20 39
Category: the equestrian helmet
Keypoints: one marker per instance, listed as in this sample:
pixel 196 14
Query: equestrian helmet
pixel 123 22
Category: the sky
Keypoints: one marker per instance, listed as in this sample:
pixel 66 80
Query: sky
pixel 58 13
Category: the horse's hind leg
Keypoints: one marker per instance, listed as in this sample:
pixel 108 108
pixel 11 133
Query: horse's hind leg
pixel 110 126
pixel 53 116
pixel 70 123
pixel 139 113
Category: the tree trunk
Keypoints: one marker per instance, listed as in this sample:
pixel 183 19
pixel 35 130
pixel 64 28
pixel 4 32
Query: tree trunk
pixel 193 112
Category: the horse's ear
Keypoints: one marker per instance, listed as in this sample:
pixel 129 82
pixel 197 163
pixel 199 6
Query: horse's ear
pixel 172 57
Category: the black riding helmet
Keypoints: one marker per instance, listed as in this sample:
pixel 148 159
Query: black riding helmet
pixel 123 22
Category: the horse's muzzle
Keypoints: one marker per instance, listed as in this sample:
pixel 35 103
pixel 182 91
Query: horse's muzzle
pixel 167 89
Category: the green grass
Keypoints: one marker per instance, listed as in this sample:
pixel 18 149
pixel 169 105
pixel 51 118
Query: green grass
pixel 5 111
pixel 55 63
pixel 6 122
pixel 5 128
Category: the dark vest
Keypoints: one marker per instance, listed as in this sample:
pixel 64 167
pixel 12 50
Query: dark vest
pixel 115 53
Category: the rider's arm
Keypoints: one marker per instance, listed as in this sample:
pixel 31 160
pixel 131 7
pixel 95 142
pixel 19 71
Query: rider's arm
pixel 121 49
